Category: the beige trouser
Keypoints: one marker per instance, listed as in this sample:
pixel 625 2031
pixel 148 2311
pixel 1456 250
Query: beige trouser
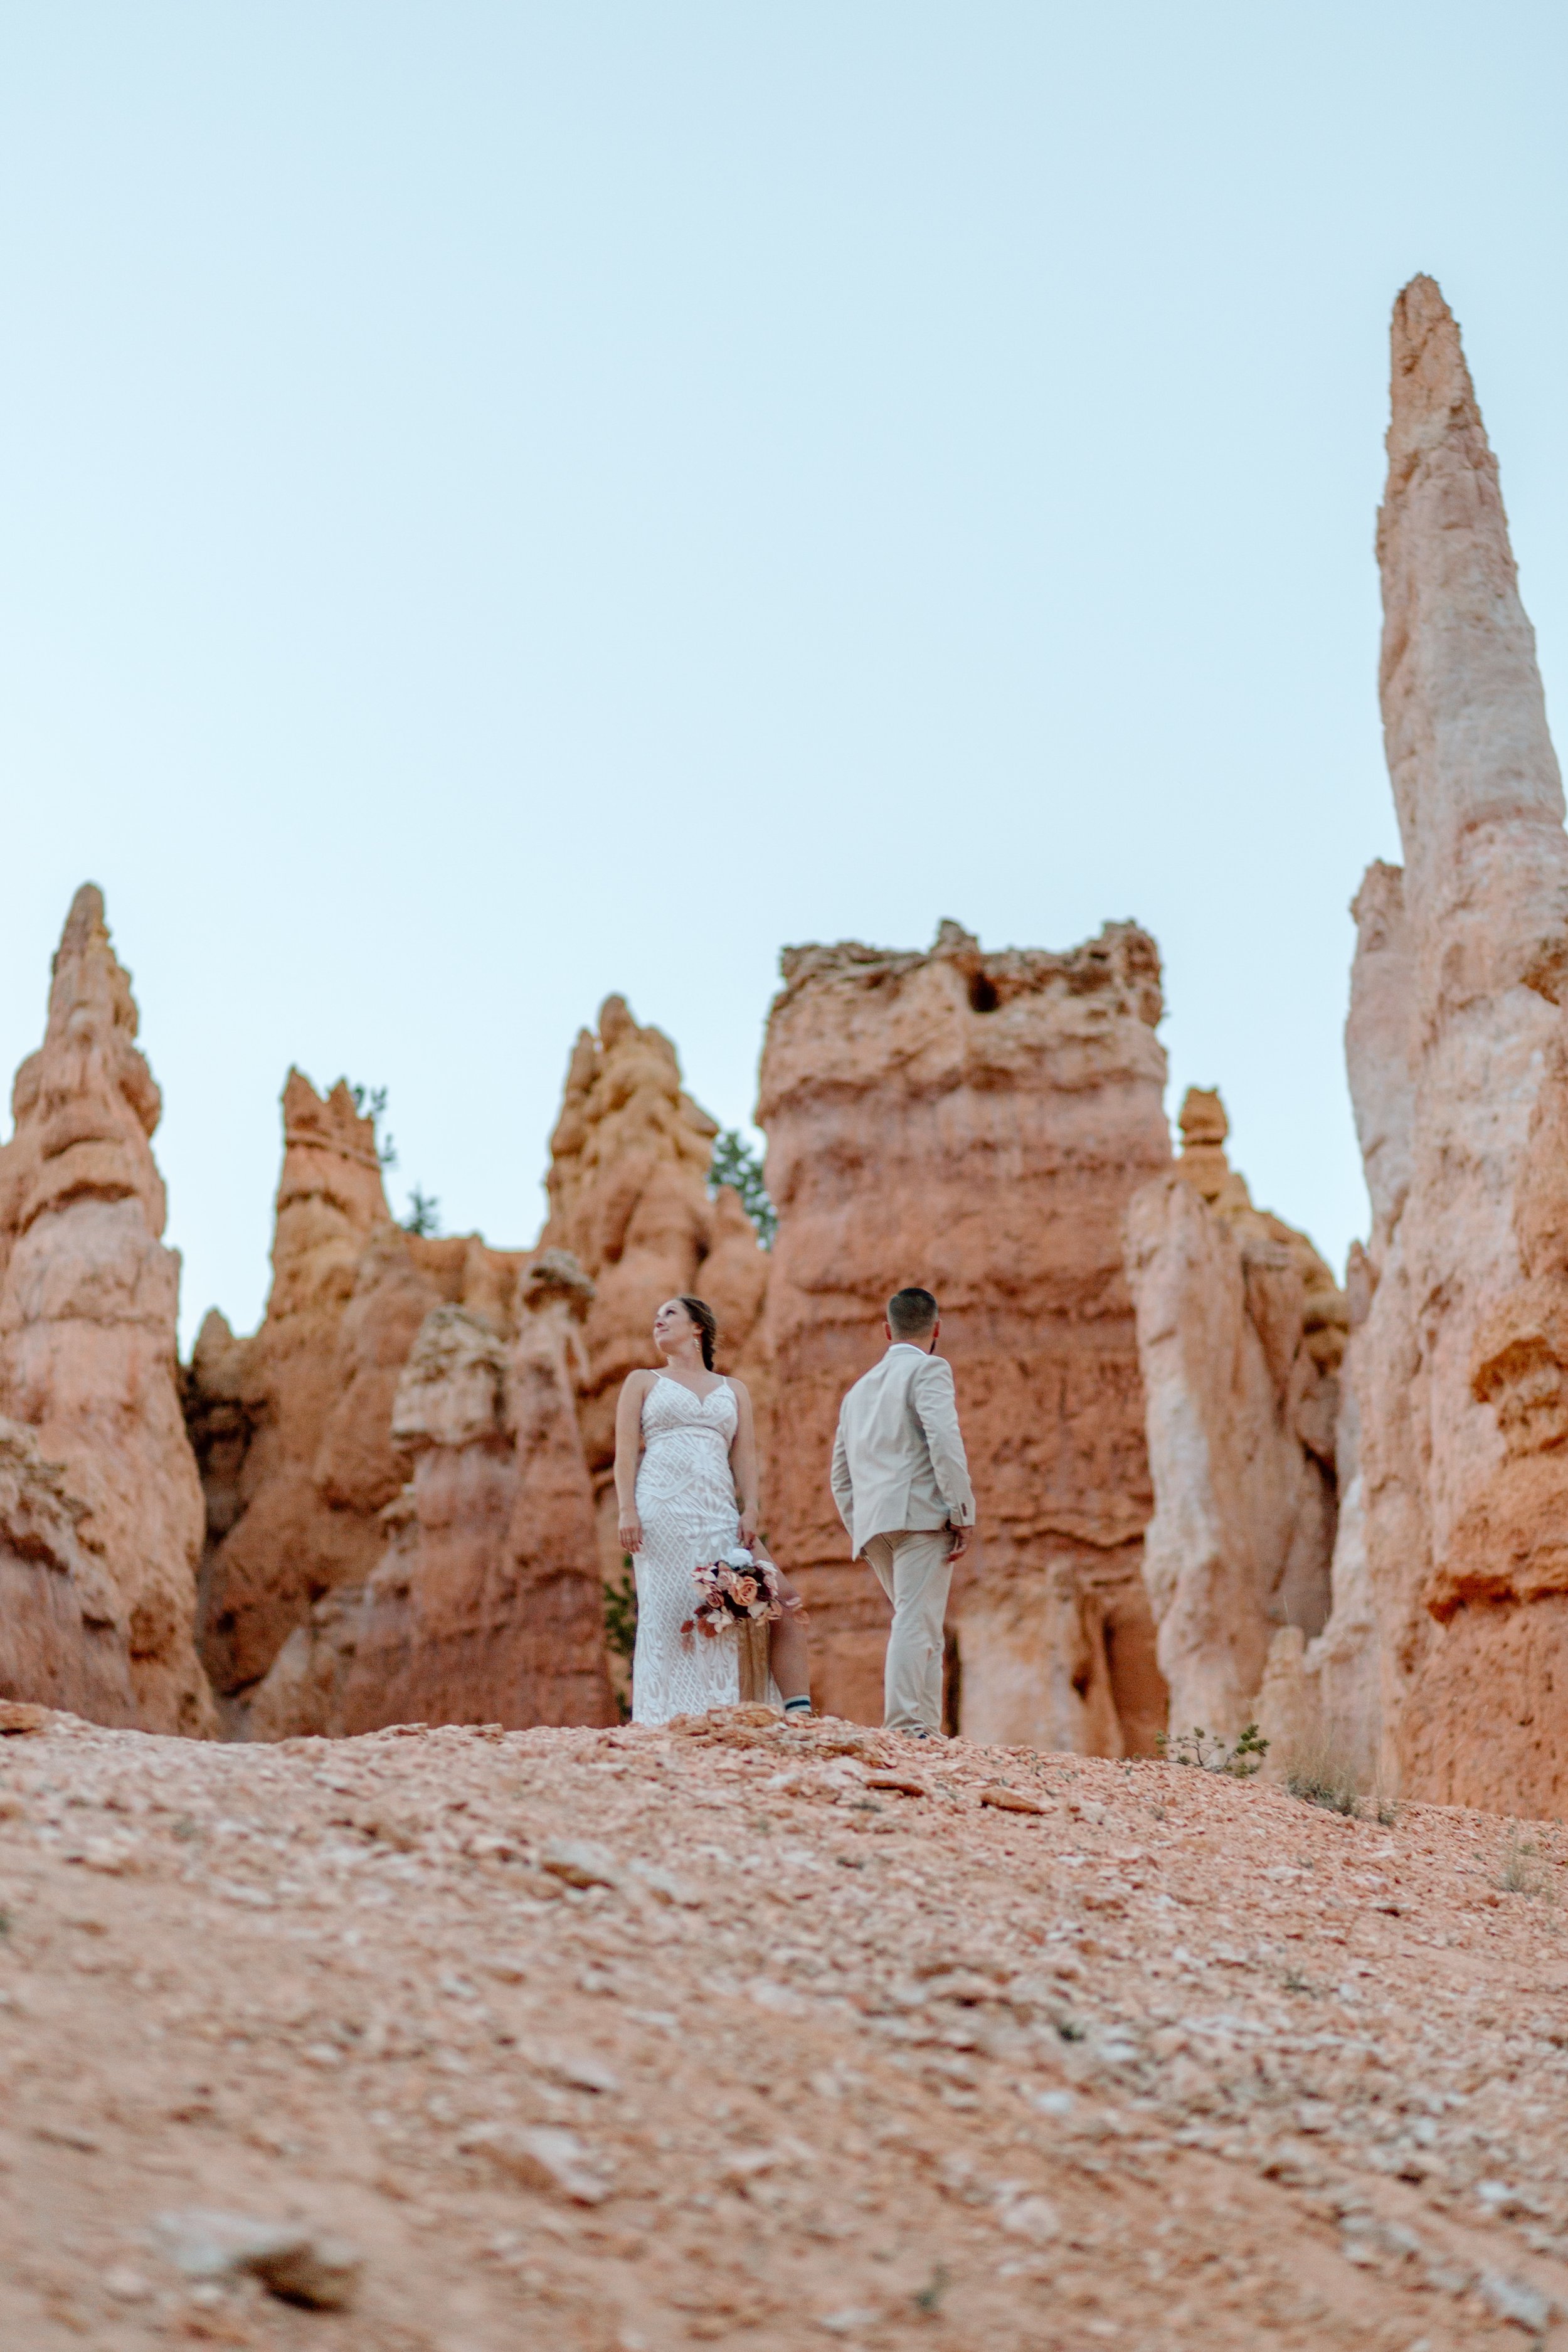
pixel 914 1571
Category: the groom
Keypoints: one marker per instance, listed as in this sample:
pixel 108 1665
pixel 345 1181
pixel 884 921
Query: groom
pixel 902 1485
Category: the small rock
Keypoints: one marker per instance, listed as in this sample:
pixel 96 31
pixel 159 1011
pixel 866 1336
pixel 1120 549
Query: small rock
pixel 1011 1800
pixel 542 2158
pixel 584 2073
pixel 900 1784
pixel 299 2264
pixel 1515 2299
pixel 665 1886
pixel 580 1864
pixel 68 2135
pixel 1034 2218
pixel 126 2285
pixel 17 1717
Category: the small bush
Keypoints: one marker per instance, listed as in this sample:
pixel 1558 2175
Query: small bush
pixel 1326 1781
pixel 371 1103
pixel 1521 1871
pixel 1322 1774
pixel 424 1216
pixel 1209 1754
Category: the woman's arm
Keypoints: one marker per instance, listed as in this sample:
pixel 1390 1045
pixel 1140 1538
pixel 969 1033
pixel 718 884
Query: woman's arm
pixel 628 1449
pixel 743 1463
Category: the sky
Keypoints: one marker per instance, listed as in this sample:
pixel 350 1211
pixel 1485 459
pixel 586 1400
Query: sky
pixel 504 503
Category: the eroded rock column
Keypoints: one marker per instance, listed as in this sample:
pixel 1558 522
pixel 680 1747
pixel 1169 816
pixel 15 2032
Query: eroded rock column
pixel 89 1299
pixel 976 1123
pixel 630 1202
pixel 1463 1468
pixel 1241 1330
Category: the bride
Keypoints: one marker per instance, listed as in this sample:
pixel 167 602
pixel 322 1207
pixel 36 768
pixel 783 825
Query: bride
pixel 691 1500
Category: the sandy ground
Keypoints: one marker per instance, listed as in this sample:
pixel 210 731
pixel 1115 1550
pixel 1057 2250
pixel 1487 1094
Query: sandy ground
pixel 632 2038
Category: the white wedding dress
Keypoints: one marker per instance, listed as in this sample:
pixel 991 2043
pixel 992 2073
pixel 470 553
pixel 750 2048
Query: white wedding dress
pixel 686 1501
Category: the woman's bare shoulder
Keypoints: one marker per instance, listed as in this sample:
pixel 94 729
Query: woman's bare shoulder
pixel 739 1386
pixel 635 1382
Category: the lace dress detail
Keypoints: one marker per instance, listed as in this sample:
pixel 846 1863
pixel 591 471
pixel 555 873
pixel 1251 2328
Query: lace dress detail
pixel 686 1501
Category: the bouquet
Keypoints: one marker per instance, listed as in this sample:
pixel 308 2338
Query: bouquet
pixel 737 1589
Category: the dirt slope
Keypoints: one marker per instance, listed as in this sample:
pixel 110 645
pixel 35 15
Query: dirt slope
pixel 1174 2062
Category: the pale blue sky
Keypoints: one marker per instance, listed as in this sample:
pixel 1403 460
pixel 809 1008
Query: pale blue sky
pixel 503 503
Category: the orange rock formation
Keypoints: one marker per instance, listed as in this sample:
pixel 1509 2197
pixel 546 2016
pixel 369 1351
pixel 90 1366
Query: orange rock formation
pixel 976 1123
pixel 1241 1330
pixel 1460 1081
pixel 87 1304
pixel 64 1629
pixel 630 1202
pixel 487 1605
pixel 259 1407
pixel 293 1425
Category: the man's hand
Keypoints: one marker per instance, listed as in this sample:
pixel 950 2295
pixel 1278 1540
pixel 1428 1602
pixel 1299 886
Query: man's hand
pixel 629 1529
pixel 959 1543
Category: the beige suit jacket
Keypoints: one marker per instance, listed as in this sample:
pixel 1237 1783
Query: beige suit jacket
pixel 897 1459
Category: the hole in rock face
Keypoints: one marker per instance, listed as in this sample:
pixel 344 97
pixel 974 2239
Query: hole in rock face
pixel 982 996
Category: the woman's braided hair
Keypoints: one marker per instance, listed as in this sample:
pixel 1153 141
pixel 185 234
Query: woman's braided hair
pixel 707 1323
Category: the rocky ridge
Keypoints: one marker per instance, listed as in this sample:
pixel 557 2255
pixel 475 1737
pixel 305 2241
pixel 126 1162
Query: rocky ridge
pixel 627 2040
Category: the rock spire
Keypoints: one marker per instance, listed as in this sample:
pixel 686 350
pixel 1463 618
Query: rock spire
pixel 1241 1330
pixel 89 1299
pixel 1457 1072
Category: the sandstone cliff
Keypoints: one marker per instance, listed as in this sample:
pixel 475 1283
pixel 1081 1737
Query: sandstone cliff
pixel 1241 1330
pixel 64 1628
pixel 88 1298
pixel 976 1123
pixel 486 1604
pixel 1458 1072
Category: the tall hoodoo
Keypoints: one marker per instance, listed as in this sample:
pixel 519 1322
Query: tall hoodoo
pixel 89 1299
pixel 1241 1330
pixel 259 1406
pixel 976 1123
pixel 1476 941
pixel 293 1425
pixel 630 1202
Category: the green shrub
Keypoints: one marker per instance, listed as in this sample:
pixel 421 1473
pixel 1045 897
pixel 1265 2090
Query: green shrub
pixel 1209 1754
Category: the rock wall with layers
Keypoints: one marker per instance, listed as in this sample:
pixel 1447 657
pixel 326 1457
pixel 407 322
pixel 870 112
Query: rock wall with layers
pixel 64 1628
pixel 1241 1330
pixel 89 1299
pixel 976 1123
pixel 486 1604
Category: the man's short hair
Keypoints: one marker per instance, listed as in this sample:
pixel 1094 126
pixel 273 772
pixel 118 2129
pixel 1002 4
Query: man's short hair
pixel 910 1312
